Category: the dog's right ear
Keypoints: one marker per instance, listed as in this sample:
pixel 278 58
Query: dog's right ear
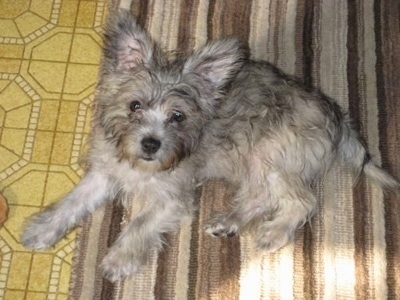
pixel 126 44
pixel 216 64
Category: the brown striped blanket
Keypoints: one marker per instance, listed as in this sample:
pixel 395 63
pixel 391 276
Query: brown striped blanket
pixel 351 248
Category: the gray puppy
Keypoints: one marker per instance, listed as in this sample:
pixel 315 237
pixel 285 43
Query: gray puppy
pixel 162 126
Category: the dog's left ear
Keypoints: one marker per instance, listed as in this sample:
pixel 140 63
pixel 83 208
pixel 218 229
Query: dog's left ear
pixel 216 64
pixel 126 45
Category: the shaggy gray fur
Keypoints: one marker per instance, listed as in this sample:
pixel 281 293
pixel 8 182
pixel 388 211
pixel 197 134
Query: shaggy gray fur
pixel 161 127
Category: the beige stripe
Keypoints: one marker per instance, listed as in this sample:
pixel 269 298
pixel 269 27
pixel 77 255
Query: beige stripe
pixel 288 56
pixel 299 267
pixel 329 246
pixel 182 272
pixel 339 236
pixel 155 17
pixel 90 263
pixel 334 52
pixel 259 25
pixel 170 24
pixel 270 282
pixel 200 34
pixel 344 236
pixel 141 285
pixel 285 269
pixel 250 274
pixel 125 4
pixel 378 267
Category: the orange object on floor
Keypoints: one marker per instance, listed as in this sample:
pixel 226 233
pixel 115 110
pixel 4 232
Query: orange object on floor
pixel 3 210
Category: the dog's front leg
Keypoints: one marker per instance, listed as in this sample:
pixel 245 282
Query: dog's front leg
pixel 140 237
pixel 44 229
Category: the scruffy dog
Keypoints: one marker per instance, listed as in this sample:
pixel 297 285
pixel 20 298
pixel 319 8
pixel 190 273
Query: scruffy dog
pixel 161 127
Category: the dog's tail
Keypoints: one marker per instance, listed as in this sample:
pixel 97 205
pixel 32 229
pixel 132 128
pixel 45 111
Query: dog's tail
pixel 352 151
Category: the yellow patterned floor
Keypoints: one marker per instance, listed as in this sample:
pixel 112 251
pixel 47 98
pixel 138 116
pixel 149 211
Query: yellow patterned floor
pixel 49 54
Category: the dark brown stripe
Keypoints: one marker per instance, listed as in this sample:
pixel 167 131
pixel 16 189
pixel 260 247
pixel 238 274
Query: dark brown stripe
pixel 308 40
pixel 167 264
pixel 316 62
pixel 362 239
pixel 229 18
pixel 308 260
pixel 353 61
pixel 187 24
pixel 139 9
pixel 310 272
pixel 299 38
pixel 210 19
pixel 387 36
pixel 194 247
pixel 218 259
pixel 111 222
pixel 79 257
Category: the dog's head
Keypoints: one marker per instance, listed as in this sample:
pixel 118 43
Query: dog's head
pixel 154 110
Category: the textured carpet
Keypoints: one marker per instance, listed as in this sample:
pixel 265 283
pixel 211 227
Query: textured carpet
pixel 49 52
pixel 351 249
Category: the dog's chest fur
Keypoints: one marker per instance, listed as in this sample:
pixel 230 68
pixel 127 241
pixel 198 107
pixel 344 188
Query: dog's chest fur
pixel 139 185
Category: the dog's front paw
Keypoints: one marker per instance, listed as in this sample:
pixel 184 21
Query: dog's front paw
pixel 118 264
pixel 40 233
pixel 221 226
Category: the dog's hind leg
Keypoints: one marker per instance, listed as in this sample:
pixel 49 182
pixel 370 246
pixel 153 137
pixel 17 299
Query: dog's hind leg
pixel 274 210
pixel 294 206
pixel 248 206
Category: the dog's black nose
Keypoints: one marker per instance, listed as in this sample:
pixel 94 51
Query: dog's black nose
pixel 150 145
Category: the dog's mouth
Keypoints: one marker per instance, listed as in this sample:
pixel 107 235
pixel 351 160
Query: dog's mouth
pixel 148 158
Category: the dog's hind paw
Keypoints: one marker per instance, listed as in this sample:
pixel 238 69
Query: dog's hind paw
pixel 271 239
pixel 221 226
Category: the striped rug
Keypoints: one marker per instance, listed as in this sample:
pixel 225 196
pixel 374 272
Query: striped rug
pixel 351 249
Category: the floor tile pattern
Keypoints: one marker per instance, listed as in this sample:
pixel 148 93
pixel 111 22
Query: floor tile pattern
pixel 49 54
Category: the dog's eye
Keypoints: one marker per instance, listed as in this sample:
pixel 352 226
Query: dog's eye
pixel 135 105
pixel 178 116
